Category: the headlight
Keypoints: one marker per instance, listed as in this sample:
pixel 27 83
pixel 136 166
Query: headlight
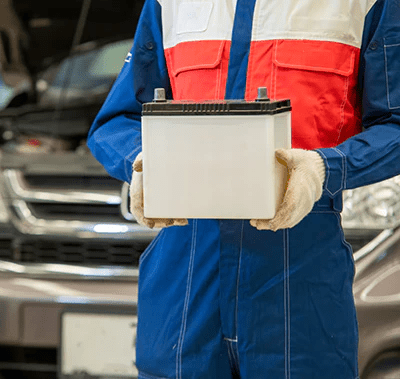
pixel 376 206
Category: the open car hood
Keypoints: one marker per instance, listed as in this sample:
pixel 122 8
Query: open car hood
pixel 51 30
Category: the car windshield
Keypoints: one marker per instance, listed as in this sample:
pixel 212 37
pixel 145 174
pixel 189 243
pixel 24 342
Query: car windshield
pixel 91 73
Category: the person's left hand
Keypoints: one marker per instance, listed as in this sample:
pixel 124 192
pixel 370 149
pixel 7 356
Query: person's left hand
pixel 306 175
pixel 137 200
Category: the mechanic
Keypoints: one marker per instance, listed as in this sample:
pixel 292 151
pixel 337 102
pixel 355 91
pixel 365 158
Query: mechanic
pixel 260 298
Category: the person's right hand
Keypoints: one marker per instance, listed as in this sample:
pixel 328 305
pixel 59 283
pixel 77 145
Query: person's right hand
pixel 137 200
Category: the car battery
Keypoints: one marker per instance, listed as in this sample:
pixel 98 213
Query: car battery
pixel 214 159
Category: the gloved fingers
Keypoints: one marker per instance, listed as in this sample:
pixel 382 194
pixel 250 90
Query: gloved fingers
pixel 158 222
pixel 306 173
pixel 136 197
pixel 283 214
pixel 292 210
pixel 137 202
pixel 165 222
pixel 162 222
pixel 284 217
pixel 180 221
pixel 260 224
pixel 285 157
pixel 138 163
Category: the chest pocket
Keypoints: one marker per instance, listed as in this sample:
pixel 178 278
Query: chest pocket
pixel 320 79
pixel 193 17
pixel 392 71
pixel 198 70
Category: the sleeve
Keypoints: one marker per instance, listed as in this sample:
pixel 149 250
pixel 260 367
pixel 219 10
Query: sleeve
pixel 115 136
pixel 374 154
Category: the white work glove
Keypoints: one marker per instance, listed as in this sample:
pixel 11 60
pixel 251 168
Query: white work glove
pixel 306 175
pixel 137 200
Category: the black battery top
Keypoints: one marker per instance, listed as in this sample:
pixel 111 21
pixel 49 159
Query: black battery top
pixel 262 105
pixel 215 107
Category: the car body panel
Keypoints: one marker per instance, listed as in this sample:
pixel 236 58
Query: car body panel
pixel 377 298
pixel 32 307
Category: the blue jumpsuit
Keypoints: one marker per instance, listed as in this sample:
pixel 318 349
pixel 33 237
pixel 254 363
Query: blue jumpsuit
pixel 218 298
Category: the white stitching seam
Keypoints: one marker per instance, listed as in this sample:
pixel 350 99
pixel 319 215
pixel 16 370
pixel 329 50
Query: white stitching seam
pixel 133 152
pixel 329 169
pixel 230 339
pixel 218 89
pixel 145 376
pixel 346 91
pixel 219 72
pixel 275 69
pixel 237 365
pixel 286 299
pixel 229 353
pixel 387 76
pixel 330 211
pixel 288 294
pixel 344 169
pixel 150 248
pixel 249 81
pixel 206 66
pixel 237 289
pixel 168 59
pixel 235 358
pixel 350 252
pixel 272 87
pixel 315 68
pixel 342 237
pixel 186 304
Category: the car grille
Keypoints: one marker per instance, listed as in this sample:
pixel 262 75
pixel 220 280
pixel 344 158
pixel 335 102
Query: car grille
pixel 73 182
pixel 81 253
pixel 6 247
pixel 71 219
pixel 82 212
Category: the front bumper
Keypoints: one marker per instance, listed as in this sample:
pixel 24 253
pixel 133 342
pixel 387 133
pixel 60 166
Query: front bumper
pixel 32 304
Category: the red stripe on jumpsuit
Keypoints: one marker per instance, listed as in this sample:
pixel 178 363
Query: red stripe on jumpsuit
pixel 312 74
pixel 198 69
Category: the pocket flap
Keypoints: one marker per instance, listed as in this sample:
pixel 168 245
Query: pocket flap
pixel 196 55
pixel 309 55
